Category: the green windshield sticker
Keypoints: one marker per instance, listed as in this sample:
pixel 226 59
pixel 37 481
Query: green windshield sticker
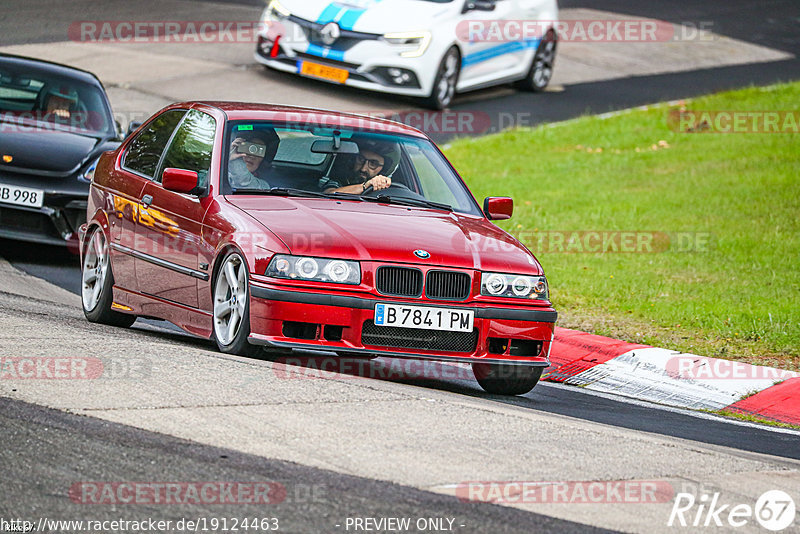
pixel 245 127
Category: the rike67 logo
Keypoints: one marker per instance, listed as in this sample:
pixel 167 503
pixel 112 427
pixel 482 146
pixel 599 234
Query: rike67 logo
pixel 774 510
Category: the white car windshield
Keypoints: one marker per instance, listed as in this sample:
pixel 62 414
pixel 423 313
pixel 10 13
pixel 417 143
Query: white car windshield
pixel 304 160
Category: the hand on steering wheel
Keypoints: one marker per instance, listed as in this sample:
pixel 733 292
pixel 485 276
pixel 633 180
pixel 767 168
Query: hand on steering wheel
pixel 392 185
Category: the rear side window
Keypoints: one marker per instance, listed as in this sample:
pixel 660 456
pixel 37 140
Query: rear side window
pixel 145 150
pixel 192 145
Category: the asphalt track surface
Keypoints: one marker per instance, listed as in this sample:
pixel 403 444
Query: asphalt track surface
pixel 56 449
pixel 49 446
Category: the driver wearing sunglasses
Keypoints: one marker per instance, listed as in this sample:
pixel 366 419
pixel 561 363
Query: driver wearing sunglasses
pixel 373 157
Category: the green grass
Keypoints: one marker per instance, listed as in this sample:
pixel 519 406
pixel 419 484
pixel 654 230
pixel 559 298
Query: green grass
pixel 738 297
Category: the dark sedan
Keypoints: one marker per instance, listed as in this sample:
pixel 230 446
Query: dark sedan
pixel 55 121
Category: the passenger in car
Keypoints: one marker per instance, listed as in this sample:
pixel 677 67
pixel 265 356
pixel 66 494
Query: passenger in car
pixel 365 168
pixel 250 162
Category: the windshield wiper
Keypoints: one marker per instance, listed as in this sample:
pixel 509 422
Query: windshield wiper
pixel 292 192
pixel 279 191
pixel 406 201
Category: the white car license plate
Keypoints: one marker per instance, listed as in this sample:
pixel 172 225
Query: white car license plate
pixel 21 196
pixel 424 317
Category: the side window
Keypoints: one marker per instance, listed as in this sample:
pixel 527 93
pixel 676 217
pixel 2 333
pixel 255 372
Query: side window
pixel 145 150
pixel 192 145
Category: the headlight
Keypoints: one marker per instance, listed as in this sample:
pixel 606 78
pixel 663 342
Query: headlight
pixel 275 11
pixel 514 286
pixel 420 40
pixel 88 174
pixel 316 269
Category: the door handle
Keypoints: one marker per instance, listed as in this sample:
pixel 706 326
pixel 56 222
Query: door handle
pixel 147 200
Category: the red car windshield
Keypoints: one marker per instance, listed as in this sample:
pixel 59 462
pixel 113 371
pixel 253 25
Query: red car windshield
pixel 267 156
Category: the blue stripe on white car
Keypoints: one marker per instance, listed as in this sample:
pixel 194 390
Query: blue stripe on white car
pixel 500 50
pixel 346 18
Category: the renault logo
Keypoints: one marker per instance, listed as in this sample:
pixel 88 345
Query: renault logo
pixel 422 254
pixel 330 33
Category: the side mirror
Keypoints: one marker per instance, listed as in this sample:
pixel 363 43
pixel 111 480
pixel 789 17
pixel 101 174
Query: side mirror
pixel 479 5
pixel 498 208
pixel 179 180
pixel 132 127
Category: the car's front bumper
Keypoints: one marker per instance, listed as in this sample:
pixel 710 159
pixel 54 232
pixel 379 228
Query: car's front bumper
pixel 344 324
pixel 366 64
pixel 55 223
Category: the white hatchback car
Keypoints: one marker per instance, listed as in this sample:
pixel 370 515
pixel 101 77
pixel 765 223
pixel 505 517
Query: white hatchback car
pixel 430 49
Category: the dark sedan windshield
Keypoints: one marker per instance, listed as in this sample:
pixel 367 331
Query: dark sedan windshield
pixel 299 160
pixel 34 99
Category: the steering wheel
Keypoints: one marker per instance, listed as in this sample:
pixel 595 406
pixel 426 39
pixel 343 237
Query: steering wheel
pixel 403 189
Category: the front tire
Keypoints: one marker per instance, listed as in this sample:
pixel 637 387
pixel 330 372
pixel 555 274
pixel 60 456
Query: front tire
pixel 97 284
pixel 541 71
pixel 232 307
pixel 444 85
pixel 500 379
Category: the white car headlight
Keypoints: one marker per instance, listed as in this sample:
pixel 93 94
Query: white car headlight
pixel 514 286
pixel 315 269
pixel 274 11
pixel 418 40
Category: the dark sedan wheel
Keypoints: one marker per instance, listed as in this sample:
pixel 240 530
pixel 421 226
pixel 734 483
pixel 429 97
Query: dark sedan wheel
pixel 502 379
pixel 541 71
pixel 232 307
pixel 97 283
pixel 444 85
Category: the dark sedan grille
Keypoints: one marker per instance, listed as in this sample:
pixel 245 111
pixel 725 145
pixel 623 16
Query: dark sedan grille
pixel 399 281
pixel 447 285
pixel 417 338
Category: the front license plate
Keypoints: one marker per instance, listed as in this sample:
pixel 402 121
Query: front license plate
pixel 21 196
pixel 323 71
pixel 424 317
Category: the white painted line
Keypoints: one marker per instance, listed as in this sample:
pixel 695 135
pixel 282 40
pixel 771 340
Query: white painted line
pixel 672 409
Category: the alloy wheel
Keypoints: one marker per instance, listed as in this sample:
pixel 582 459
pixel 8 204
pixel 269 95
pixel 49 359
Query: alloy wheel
pixel 230 299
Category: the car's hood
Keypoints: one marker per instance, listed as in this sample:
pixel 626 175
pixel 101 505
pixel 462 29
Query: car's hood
pixel 50 153
pixel 371 16
pixel 379 232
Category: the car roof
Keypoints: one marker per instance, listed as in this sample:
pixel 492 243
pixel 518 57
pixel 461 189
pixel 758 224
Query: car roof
pixel 50 67
pixel 236 111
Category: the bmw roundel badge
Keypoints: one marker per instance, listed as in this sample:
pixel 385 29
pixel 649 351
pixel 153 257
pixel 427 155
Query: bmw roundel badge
pixel 422 254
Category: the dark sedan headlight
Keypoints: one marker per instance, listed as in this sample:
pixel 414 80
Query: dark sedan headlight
pixel 88 173
pixel 314 269
pixel 514 286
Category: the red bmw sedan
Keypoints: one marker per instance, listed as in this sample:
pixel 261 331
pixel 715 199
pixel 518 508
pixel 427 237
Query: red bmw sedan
pixel 279 227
